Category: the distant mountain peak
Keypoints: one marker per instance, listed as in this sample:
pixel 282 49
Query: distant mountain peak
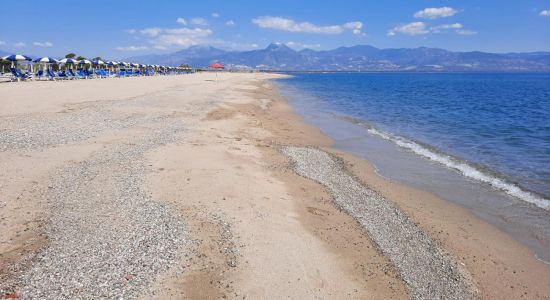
pixel 278 47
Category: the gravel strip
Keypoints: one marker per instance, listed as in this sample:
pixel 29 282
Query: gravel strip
pixel 83 122
pixel 108 237
pixel 428 272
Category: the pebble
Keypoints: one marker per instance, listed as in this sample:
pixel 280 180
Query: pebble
pixel 426 269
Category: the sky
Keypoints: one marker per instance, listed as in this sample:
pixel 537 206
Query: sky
pixel 123 28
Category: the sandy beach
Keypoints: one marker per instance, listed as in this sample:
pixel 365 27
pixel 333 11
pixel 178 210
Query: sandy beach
pixel 203 187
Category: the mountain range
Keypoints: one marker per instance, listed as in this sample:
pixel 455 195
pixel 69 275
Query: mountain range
pixel 279 57
pixel 356 58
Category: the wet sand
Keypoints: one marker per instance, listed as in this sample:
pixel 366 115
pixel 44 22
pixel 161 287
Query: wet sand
pixel 247 224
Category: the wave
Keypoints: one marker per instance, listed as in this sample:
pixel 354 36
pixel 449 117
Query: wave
pixel 462 167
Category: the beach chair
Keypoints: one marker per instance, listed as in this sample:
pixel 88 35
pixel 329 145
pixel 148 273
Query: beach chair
pixel 71 75
pixel 89 73
pixel 19 75
pixel 65 75
pixel 51 74
pixel 40 74
pixel 80 73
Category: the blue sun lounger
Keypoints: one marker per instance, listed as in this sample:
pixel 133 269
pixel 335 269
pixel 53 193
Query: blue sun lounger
pixel 81 74
pixel 70 73
pixel 50 73
pixel 19 75
pixel 65 75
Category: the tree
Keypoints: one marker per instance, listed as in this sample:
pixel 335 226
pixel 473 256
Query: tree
pixel 98 58
pixel 70 55
pixel 80 57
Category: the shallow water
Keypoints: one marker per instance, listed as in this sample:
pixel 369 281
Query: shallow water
pixel 398 138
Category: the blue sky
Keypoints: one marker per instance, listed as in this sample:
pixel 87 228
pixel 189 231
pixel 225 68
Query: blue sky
pixel 117 29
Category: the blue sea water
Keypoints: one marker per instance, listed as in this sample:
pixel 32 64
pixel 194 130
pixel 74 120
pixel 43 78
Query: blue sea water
pixel 491 127
pixel 478 140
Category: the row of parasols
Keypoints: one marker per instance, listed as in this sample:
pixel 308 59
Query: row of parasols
pixel 70 61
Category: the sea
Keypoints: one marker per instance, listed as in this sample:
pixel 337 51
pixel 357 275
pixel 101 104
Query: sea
pixel 481 140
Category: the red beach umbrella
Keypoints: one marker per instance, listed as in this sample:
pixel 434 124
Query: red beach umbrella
pixel 216 66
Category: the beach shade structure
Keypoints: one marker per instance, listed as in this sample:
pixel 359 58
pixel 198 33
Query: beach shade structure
pixel 15 58
pixel 98 62
pixel 68 61
pixel 84 62
pixel 216 66
pixel 46 60
pixel 112 64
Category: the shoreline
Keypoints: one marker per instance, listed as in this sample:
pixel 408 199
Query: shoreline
pixel 422 166
pixel 492 270
pixel 205 159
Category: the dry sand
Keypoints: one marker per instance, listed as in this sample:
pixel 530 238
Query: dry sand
pixel 252 227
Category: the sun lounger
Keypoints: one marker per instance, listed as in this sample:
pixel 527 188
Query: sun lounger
pixel 51 74
pixel 65 75
pixel 80 73
pixel 70 73
pixel 19 75
pixel 40 74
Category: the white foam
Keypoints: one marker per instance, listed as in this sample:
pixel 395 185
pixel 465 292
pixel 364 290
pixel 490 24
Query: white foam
pixel 465 169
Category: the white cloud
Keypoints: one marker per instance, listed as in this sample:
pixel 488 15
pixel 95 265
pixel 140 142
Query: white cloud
pixel 434 13
pixel 132 48
pixel 187 31
pixel 2 43
pixel 199 22
pixel 164 38
pixel 181 21
pixel 285 24
pixel 299 46
pixel 19 45
pixel 152 32
pixel 421 28
pixel 414 28
pixel 355 27
pixel 230 23
pixel 465 32
pixel 42 44
pixel 545 13
pixel 439 28
pixel 215 15
pixel 131 31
